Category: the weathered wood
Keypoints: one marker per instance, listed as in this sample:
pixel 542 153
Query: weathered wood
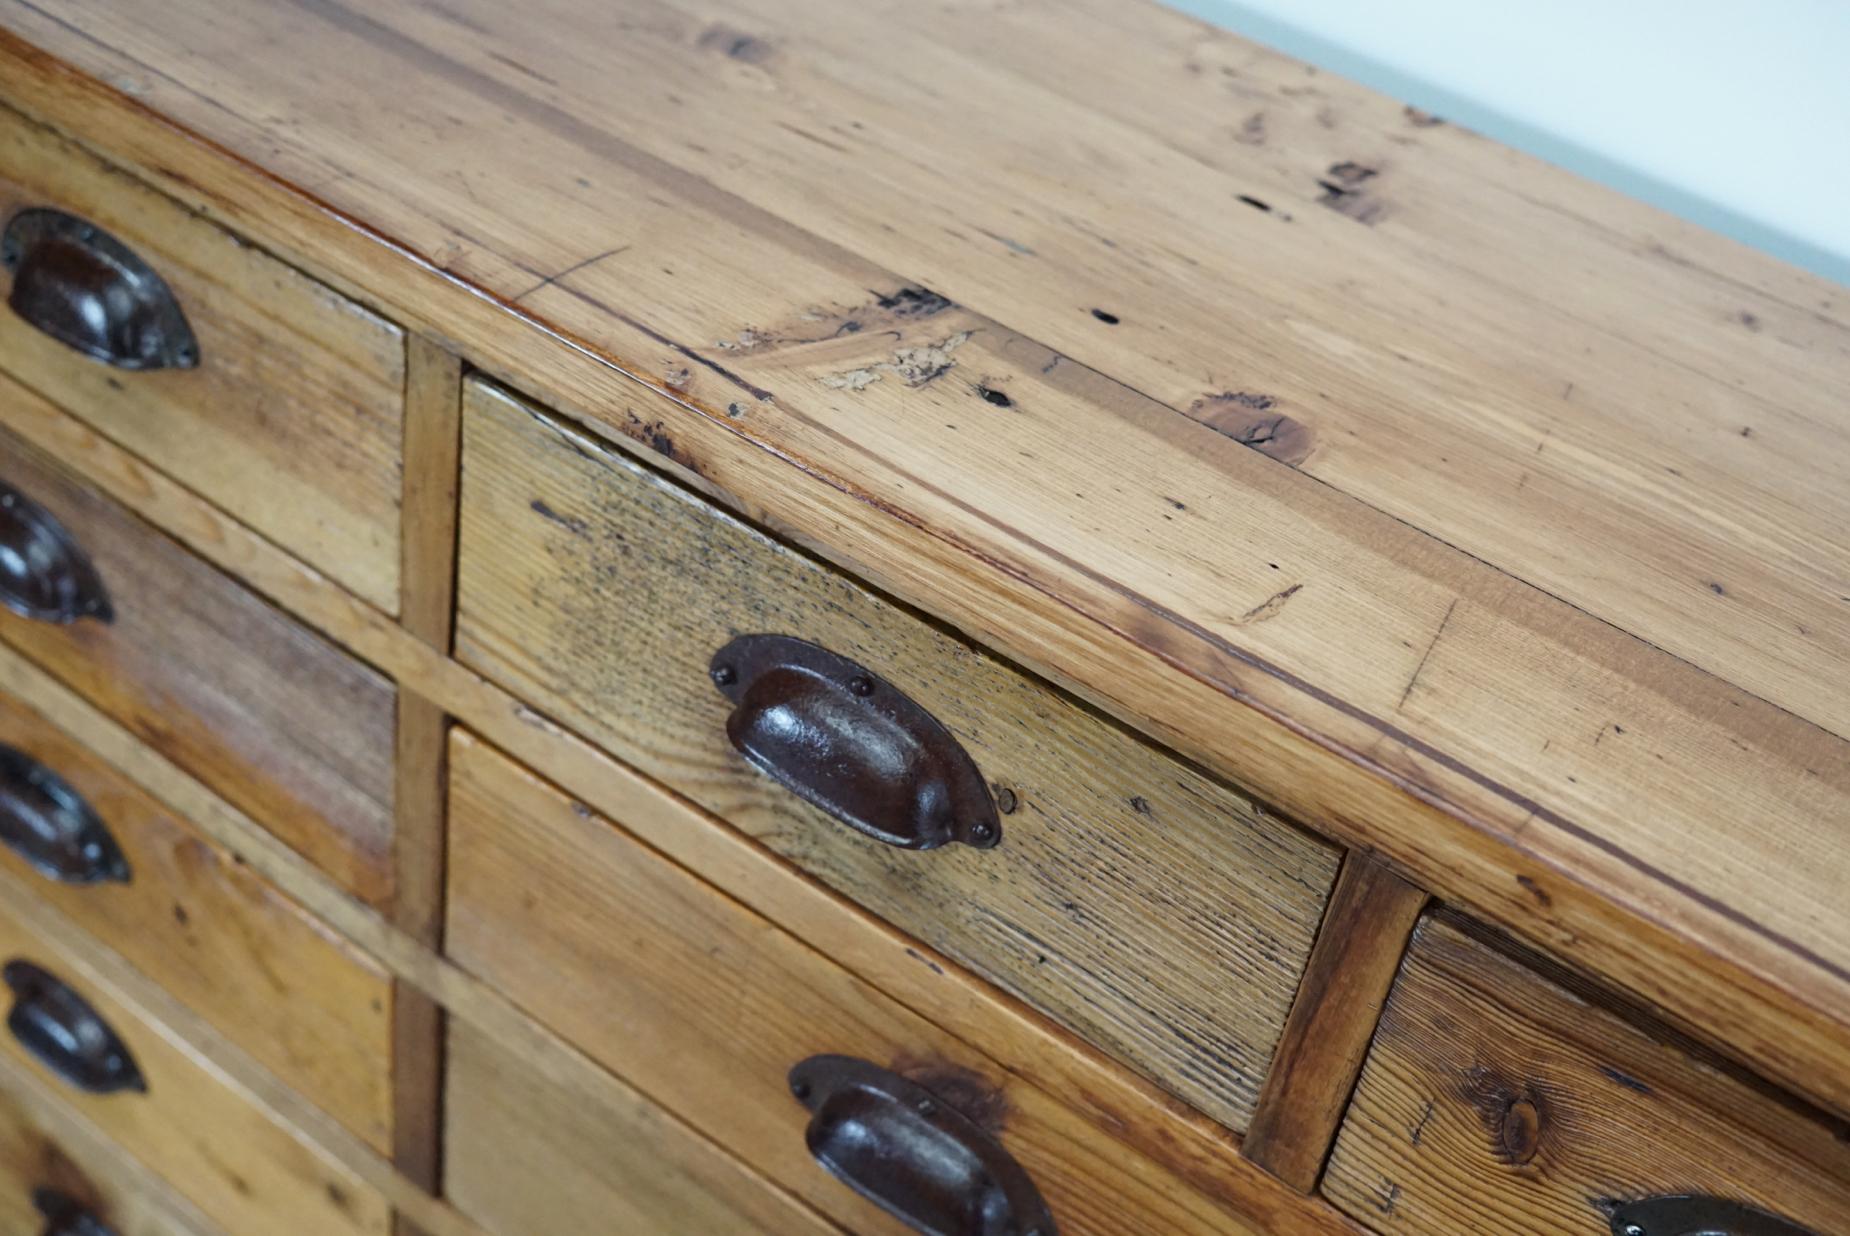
pixel 1359 947
pixel 1150 909
pixel 1497 1100
pixel 237 1162
pixel 708 1019
pixel 1078 1075
pixel 271 715
pixel 1356 701
pixel 291 421
pixel 44 1145
pixel 433 457
pixel 196 919
pixel 527 1155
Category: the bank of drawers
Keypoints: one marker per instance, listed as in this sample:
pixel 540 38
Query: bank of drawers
pixel 1134 902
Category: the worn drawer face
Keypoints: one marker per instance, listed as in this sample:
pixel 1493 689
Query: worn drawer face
pixel 1143 905
pixel 35 1161
pixel 704 1006
pixel 524 1154
pixel 190 1123
pixel 291 420
pixel 211 931
pixel 274 718
pixel 1496 1101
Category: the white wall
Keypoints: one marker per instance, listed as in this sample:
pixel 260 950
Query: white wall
pixel 1732 113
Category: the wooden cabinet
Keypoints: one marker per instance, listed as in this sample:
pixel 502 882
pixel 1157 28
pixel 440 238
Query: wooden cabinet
pixel 992 620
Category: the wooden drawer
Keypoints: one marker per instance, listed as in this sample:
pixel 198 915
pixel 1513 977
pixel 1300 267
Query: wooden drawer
pixel 1498 1101
pixel 191 1123
pixel 42 1168
pixel 291 420
pixel 274 718
pixel 704 1006
pixel 1152 910
pixel 525 1154
pixel 216 935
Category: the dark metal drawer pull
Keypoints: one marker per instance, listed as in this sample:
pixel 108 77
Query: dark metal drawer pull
pixel 66 1216
pixel 44 573
pixel 88 290
pixel 60 1029
pixel 1696 1216
pixel 47 823
pixel 901 1147
pixel 852 744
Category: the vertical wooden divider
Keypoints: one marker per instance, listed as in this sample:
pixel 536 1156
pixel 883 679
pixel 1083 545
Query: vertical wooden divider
pixel 1365 931
pixel 432 463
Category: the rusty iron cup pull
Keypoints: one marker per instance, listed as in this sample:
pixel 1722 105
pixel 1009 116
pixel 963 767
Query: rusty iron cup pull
pixel 910 1153
pixel 47 822
pixel 1696 1216
pixel 852 744
pixel 62 1032
pixel 89 291
pixel 66 1216
pixel 44 574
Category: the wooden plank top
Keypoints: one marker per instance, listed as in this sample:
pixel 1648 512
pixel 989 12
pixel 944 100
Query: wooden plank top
pixel 1468 511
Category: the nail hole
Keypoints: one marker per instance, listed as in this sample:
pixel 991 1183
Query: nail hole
pixel 725 675
pixel 995 396
pixel 1109 319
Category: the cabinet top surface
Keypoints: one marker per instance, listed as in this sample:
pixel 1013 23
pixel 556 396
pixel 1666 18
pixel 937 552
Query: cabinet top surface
pixel 1214 385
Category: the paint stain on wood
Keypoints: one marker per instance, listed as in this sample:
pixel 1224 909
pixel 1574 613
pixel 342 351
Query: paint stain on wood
pixel 1251 419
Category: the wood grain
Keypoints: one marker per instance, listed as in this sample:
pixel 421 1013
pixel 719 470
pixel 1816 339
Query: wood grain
pixel 1356 703
pixel 433 460
pixel 1200 1151
pixel 242 1167
pixel 292 419
pixel 1497 1101
pixel 271 715
pixel 1359 948
pixel 44 1145
pixel 1148 908
pixel 707 1020
pixel 529 1155
pixel 197 920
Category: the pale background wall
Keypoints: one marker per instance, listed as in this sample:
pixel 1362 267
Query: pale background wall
pixel 1732 113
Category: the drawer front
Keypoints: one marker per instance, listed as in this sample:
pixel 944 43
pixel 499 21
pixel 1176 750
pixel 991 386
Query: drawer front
pixel 705 1007
pixel 187 1121
pixel 274 718
pixel 1497 1101
pixel 524 1154
pixel 40 1171
pixel 1150 909
pixel 203 925
pixel 292 418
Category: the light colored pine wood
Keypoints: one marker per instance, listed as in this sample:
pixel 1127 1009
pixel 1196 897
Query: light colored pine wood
pixel 44 1144
pixel 195 1125
pixel 1152 911
pixel 527 1155
pixel 708 1019
pixel 1077 1076
pixel 274 717
pixel 196 919
pixel 1497 1101
pixel 292 419
pixel 1357 702
pixel 1359 948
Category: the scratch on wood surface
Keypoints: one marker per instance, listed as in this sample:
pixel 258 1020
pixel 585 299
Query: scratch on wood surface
pixel 1268 608
pixel 573 269
pixel 1421 667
